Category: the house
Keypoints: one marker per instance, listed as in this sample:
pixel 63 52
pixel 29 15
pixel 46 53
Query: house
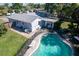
pixel 24 22
pixel 29 22
pixel 47 23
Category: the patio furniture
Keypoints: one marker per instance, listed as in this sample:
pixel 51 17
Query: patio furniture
pixel 26 31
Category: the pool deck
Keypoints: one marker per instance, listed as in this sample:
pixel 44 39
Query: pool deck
pixel 34 45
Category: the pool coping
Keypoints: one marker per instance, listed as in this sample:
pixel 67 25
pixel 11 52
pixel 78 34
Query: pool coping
pixel 36 43
pixel 67 42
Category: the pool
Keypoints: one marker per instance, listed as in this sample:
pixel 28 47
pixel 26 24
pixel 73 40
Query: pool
pixel 52 45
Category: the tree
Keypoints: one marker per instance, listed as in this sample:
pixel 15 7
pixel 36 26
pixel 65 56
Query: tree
pixel 63 10
pixel 3 29
pixel 49 7
pixel 75 16
pixel 17 7
pixel 53 8
pixel 6 5
pixel 68 9
pixel 31 6
pixel 3 10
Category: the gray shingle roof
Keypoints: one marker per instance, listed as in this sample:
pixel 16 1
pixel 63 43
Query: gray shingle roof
pixel 24 17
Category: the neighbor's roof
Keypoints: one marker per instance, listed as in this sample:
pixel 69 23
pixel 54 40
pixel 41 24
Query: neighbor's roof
pixel 24 17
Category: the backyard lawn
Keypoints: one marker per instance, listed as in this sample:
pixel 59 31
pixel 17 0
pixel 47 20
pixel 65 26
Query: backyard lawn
pixel 10 43
pixel 65 25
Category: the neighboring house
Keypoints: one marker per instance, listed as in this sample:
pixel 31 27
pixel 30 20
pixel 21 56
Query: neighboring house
pixel 29 22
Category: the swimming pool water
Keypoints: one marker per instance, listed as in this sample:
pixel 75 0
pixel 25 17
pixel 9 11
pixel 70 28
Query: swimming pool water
pixel 52 45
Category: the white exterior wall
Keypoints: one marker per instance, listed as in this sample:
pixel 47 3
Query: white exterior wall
pixel 35 24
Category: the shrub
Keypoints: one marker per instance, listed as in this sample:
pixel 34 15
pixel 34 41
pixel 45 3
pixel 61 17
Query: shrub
pixel 3 29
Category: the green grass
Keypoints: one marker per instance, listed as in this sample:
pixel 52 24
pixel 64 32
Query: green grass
pixel 1 21
pixel 65 25
pixel 10 43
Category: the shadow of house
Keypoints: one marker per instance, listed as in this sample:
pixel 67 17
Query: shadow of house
pixel 19 28
pixel 46 24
